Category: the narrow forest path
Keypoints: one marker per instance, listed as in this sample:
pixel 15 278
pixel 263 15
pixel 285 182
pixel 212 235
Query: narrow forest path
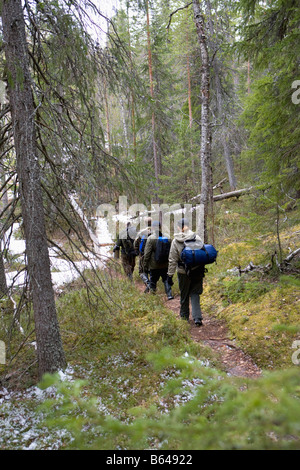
pixel 215 334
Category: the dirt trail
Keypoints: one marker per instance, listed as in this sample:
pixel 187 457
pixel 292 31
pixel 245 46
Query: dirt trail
pixel 214 333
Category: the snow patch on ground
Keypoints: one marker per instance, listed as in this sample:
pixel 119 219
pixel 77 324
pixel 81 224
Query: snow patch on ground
pixel 20 425
pixel 63 271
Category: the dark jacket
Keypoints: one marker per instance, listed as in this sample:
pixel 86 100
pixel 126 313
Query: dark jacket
pixel 126 242
pixel 149 257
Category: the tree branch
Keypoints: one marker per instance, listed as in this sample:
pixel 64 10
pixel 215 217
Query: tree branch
pixel 176 11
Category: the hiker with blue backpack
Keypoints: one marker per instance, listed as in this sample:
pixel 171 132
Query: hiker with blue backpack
pixel 156 259
pixel 139 246
pixel 188 256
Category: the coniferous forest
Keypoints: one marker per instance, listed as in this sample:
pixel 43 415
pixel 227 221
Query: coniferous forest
pixel 177 119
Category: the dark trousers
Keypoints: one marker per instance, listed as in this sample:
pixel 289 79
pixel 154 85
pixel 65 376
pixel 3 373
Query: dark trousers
pixel 155 274
pixel 128 262
pixel 141 264
pixel 191 287
pixel 143 274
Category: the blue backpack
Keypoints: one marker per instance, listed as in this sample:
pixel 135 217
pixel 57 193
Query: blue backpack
pixel 195 254
pixel 142 244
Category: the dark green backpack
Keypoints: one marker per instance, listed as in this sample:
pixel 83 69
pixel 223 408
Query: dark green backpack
pixel 162 250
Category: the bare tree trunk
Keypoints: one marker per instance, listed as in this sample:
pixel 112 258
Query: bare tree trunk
pixel 50 352
pixel 155 153
pixel 132 97
pixel 225 131
pixel 205 153
pixel 3 204
pixel 3 284
pixel 125 131
pixel 220 106
pixel 5 128
pixel 107 117
pixel 237 193
pixel 190 100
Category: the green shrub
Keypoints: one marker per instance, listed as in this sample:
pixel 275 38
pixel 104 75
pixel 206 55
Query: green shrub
pixel 244 290
pixel 205 411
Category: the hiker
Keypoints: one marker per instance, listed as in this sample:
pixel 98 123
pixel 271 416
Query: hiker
pixel 191 283
pixel 139 246
pixel 156 259
pixel 128 254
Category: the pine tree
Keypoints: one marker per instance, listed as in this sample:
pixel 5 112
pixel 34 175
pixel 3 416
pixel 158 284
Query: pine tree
pixel 271 39
pixel 206 197
pixel 49 346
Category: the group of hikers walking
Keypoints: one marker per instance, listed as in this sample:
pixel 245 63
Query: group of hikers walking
pixel 161 257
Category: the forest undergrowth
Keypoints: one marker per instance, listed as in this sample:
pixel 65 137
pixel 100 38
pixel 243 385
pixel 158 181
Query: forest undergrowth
pixel 137 380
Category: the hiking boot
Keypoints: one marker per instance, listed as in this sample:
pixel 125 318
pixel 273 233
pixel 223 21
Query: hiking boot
pixel 168 290
pixel 146 281
pixel 198 323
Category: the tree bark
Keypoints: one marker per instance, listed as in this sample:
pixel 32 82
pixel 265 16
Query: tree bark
pixel 3 205
pixel 107 117
pixel 205 153
pixel 3 284
pixel 188 64
pixel 5 129
pixel 220 107
pixel 157 163
pixel 50 352
pixel 132 95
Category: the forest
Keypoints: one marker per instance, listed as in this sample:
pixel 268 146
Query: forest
pixel 113 115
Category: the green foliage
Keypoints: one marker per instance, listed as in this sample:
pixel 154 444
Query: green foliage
pixel 271 40
pixel 218 414
pixel 139 380
pixel 112 335
pixel 261 309
pixel 244 290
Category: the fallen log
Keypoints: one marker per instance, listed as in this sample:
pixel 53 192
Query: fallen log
pixel 220 184
pixel 253 267
pixel 237 193
pixel 281 266
pixel 219 197
pixel 291 256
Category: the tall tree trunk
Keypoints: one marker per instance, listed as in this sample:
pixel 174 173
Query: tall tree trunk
pixel 132 96
pixel 3 284
pixel 220 107
pixel 107 117
pixel 190 99
pixel 50 352
pixel 3 205
pixel 155 153
pixel 206 197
